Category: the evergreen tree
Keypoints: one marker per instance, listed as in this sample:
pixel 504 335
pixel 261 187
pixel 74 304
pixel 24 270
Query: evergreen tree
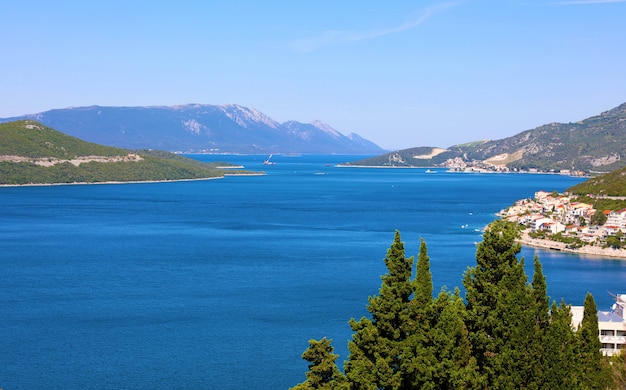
pixel 438 351
pixel 419 359
pixel 495 258
pixel 503 337
pixel 455 367
pixel 560 363
pixel 593 375
pixel 423 283
pixel 540 323
pixel 540 296
pixel 419 362
pixel 376 349
pixel 513 332
pixel 323 372
pixel 505 314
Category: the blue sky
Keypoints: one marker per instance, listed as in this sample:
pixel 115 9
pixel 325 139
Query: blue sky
pixel 401 74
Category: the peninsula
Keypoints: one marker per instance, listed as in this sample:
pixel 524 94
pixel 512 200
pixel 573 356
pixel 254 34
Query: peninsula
pixel 34 154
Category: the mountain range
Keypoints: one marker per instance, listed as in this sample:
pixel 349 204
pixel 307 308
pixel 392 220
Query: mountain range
pixel 199 128
pixel 596 144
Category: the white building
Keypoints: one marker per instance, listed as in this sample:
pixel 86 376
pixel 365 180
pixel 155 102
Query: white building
pixel 611 325
pixel 616 219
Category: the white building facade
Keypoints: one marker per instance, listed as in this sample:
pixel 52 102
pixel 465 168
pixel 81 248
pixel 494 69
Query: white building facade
pixel 611 325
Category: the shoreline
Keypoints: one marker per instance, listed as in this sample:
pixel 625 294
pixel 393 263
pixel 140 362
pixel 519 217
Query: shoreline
pixel 81 183
pixel 587 250
pixel 453 170
pixel 343 165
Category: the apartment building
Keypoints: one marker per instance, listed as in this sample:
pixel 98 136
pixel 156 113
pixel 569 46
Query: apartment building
pixel 611 325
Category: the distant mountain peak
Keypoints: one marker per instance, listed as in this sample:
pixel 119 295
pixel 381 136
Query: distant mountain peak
pixel 199 128
pixel 326 128
pixel 244 116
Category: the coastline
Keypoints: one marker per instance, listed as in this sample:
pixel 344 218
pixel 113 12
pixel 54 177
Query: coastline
pixel 589 250
pixel 452 170
pixel 128 182
pixel 381 166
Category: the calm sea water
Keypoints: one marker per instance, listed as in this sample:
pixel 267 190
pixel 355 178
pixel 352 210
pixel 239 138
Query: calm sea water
pixel 221 283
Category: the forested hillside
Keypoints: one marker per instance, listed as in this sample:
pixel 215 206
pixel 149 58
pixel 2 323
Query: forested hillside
pixel 505 335
pixel 31 153
pixel 610 184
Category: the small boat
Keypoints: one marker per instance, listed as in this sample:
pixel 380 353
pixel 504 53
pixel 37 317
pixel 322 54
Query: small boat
pixel 429 171
pixel 268 162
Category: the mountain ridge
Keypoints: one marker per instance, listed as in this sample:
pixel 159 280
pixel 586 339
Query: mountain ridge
pixel 200 128
pixel 596 144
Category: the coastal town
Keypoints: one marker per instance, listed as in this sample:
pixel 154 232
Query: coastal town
pixel 559 222
pixel 497 164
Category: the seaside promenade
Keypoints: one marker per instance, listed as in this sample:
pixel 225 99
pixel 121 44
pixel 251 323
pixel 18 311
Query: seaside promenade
pixel 590 250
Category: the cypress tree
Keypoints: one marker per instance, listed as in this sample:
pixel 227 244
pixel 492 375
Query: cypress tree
pixel 455 367
pixel 486 294
pixel 590 355
pixel 500 310
pixel 540 296
pixel 539 324
pixel 419 362
pixel 323 372
pixel 438 352
pixel 560 363
pixel 419 359
pixel 423 282
pixel 376 349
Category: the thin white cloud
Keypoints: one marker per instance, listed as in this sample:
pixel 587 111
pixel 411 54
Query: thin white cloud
pixel 334 37
pixel 572 2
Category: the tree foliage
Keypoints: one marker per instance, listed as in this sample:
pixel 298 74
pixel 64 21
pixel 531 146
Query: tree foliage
pixel 504 335
pixel 376 357
pixel 323 372
pixel 593 374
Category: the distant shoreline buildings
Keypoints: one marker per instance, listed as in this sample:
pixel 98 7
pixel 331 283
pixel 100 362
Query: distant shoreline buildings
pixel 557 221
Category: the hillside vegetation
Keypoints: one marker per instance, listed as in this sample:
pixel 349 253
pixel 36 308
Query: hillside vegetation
pixel 593 145
pixel 609 184
pixel 31 153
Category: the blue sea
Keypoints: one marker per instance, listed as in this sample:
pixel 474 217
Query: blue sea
pixel 219 284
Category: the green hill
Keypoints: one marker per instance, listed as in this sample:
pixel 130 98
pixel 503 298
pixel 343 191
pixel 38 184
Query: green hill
pixel 609 184
pixel 31 153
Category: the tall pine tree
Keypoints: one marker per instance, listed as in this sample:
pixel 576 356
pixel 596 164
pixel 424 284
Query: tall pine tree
pixel 375 360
